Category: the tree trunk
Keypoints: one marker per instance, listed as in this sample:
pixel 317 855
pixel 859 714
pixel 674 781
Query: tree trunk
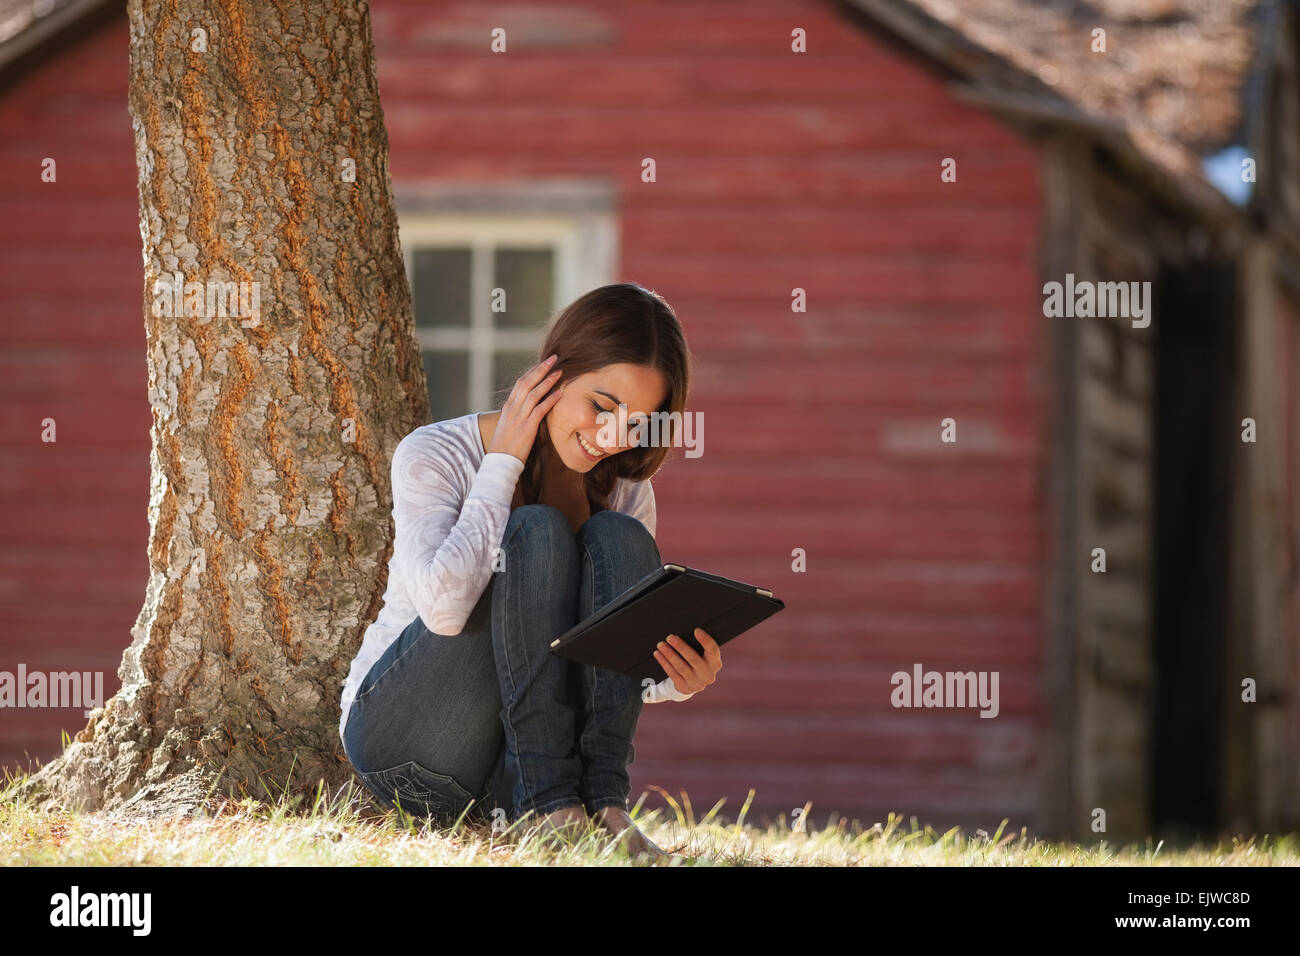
pixel 270 503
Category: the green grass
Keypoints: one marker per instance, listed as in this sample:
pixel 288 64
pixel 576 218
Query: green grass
pixel 343 829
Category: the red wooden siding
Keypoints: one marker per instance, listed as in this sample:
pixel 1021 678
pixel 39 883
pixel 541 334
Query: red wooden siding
pixel 73 526
pixel 775 171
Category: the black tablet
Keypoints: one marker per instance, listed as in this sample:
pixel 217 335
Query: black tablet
pixel 622 636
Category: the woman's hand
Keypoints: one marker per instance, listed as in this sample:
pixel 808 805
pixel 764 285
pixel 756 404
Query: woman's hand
pixel 690 672
pixel 522 412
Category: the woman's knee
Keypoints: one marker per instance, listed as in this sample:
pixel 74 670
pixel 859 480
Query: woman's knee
pixel 539 548
pixel 537 526
pixel 614 529
pixel 609 522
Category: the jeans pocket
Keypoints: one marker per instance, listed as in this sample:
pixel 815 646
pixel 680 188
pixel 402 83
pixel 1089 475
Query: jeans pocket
pixel 419 791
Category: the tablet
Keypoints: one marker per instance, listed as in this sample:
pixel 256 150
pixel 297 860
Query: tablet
pixel 672 599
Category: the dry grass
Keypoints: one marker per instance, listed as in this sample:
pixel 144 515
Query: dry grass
pixel 344 830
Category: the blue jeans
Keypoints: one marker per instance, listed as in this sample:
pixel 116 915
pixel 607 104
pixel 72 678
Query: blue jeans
pixel 489 718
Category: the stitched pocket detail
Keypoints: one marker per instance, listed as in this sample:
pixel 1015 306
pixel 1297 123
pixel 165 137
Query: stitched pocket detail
pixel 419 790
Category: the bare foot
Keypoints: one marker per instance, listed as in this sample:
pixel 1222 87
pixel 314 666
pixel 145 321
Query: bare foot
pixel 618 822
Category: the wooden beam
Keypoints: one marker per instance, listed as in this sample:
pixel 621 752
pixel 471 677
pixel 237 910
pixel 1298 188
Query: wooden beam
pixel 1064 179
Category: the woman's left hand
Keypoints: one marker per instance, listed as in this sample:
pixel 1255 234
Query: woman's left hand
pixel 690 671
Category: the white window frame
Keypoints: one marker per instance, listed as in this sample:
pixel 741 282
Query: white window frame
pixel 582 234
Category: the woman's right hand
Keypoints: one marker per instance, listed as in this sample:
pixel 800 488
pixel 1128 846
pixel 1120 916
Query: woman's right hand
pixel 521 415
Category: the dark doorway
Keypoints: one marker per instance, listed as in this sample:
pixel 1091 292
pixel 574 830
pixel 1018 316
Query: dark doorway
pixel 1196 423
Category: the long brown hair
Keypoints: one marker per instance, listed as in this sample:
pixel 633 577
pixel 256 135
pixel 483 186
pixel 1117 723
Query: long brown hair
pixel 619 323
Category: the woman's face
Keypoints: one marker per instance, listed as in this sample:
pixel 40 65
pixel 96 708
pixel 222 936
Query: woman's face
pixel 641 388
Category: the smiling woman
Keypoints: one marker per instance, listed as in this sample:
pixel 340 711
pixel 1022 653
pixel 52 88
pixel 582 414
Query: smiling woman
pixel 575 437
pixel 619 344
pixel 512 526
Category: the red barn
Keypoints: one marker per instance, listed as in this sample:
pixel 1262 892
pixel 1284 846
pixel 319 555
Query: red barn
pixel 855 209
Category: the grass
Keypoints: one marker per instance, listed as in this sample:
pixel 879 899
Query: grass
pixel 344 829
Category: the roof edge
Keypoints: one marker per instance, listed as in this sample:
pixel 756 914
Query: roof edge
pixel 48 35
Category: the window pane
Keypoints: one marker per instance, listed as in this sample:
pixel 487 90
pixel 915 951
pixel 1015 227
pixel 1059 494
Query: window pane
pixel 447 374
pixel 528 278
pixel 506 369
pixel 441 286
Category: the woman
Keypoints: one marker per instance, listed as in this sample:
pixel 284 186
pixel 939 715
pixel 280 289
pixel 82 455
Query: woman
pixel 511 527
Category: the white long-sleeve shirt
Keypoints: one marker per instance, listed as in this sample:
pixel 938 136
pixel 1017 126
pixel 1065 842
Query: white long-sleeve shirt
pixel 451 502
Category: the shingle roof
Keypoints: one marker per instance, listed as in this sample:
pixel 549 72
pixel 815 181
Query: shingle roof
pixel 1175 66
pixel 1177 76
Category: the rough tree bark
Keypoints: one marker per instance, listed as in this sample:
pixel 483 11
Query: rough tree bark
pixel 270 503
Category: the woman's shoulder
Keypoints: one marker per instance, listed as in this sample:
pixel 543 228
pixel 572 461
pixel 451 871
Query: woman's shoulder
pixel 452 441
